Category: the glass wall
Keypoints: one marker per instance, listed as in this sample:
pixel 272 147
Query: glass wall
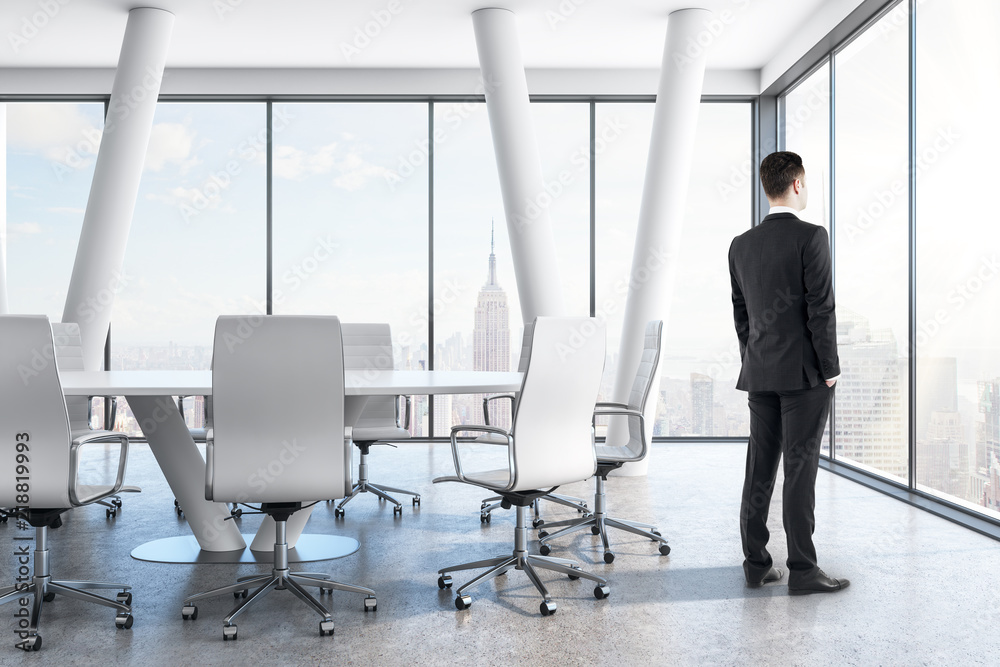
pixel 954 446
pixel 958 353
pixel 871 247
pixel 350 199
pixel 700 360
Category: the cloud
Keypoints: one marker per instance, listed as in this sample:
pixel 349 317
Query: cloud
pixel 59 131
pixel 66 209
pixel 351 171
pixel 170 143
pixel 24 228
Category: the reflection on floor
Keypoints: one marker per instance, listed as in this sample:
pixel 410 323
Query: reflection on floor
pixel 923 590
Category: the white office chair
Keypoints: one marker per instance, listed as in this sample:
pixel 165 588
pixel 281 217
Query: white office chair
pixel 277 439
pixel 68 347
pixel 550 443
pixel 487 506
pixel 41 464
pixel 369 346
pixel 612 455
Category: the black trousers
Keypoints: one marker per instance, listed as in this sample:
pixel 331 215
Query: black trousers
pixel 788 423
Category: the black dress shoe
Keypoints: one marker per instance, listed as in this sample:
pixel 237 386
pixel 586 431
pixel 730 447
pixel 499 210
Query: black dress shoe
pixel 774 574
pixel 821 583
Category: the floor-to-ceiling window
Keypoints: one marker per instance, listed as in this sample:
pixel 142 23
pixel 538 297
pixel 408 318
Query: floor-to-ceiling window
pixel 350 219
pixel 477 312
pixel 871 248
pixel 700 360
pixel 197 244
pixel 957 269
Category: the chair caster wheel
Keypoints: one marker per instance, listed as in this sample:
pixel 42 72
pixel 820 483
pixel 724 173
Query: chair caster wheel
pixel 573 577
pixel 189 612
pixel 416 501
pixel 594 530
pixel 444 581
pixel 325 628
pixel 602 592
pixel 244 593
pixel 32 643
pixel 49 597
pixel 3 518
pixel 543 533
pixel 176 503
pixel 535 523
pixel 123 621
pixel 547 608
pixel 398 509
pixel 229 632
pixel 485 518
pixel 237 513
pixel 125 597
pixel 117 502
pixel 609 557
pixel 110 513
pixel 545 550
pixel 664 549
pixel 371 604
pixel 656 532
pixel 463 602
pixel 180 512
pixel 338 513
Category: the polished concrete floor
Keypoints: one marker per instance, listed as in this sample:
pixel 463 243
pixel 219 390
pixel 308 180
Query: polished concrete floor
pixel 924 591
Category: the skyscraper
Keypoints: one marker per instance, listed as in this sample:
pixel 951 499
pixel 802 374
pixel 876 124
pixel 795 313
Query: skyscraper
pixel 491 335
pixel 701 405
pixel 870 396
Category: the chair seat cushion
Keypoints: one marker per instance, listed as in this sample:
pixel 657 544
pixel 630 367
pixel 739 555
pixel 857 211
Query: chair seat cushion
pixel 373 433
pixel 614 454
pixel 491 439
pixel 493 479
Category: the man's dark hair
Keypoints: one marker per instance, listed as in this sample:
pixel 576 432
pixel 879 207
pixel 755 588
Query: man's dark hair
pixel 778 171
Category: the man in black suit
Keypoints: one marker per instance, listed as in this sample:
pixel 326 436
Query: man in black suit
pixel 783 305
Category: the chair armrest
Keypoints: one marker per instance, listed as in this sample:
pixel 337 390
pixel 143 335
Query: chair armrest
pixel 610 404
pixel 627 412
pixel 486 401
pixel 96 437
pixel 455 430
pixel 209 462
pixel 406 419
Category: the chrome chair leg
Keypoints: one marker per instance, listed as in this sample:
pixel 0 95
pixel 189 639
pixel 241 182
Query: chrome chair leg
pixel 363 485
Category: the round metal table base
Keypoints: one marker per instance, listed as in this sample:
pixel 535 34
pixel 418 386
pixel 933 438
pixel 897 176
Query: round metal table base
pixel 185 549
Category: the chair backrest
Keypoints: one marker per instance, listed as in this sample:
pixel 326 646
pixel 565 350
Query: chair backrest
pixel 369 347
pixel 278 404
pixel 522 360
pixel 33 416
pixel 642 389
pixel 553 435
pixel 68 346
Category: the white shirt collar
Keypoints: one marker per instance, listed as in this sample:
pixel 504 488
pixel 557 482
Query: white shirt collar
pixel 783 209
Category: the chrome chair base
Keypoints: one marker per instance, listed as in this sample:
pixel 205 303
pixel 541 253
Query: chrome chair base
pixel 489 504
pixel 279 579
pixel 44 589
pixel 520 560
pixel 599 522
pixel 364 486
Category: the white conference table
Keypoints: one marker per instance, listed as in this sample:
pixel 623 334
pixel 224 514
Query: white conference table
pixel 150 397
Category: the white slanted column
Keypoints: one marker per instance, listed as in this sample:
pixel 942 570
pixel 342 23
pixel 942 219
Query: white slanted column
pixel 4 304
pixel 519 164
pixel 661 214
pixel 100 254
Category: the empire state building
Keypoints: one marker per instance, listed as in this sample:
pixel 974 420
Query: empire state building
pixel 491 336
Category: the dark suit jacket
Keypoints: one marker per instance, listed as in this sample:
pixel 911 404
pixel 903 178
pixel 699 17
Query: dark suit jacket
pixel 783 305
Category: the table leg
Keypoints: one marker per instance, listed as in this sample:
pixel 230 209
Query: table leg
pixel 264 539
pixel 183 466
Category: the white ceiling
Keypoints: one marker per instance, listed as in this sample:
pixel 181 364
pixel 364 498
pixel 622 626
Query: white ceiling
pixel 422 34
